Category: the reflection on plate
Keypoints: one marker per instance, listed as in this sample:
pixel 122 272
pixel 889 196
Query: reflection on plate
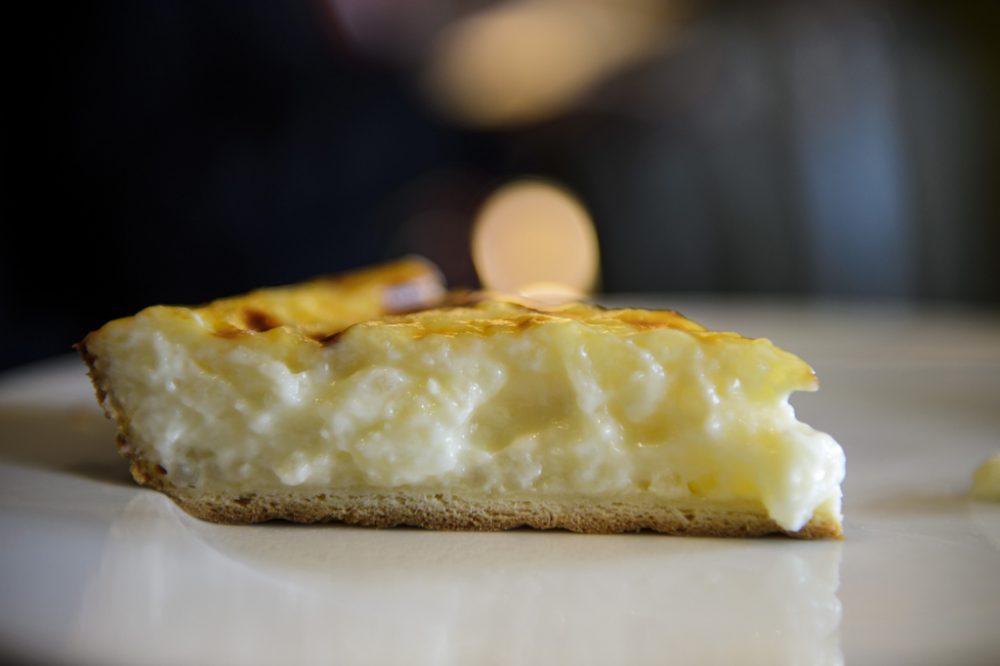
pixel 410 596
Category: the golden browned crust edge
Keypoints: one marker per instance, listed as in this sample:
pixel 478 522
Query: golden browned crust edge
pixel 443 511
pixel 112 411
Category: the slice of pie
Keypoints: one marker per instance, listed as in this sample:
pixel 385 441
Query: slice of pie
pixel 314 403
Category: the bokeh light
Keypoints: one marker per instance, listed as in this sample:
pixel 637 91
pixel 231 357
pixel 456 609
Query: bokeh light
pixel 535 239
pixel 529 60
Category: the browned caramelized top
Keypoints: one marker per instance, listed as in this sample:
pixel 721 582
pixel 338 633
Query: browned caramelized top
pixel 407 295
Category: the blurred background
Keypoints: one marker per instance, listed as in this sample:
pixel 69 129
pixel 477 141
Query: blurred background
pixel 174 152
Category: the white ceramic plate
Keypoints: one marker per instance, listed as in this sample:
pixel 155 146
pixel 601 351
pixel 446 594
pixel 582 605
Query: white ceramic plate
pixel 96 570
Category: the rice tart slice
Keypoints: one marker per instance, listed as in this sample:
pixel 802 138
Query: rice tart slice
pixel 314 403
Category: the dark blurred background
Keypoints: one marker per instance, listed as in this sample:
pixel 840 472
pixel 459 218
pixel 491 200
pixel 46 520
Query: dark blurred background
pixel 178 151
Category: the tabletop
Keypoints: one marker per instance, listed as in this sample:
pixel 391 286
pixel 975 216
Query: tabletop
pixel 94 569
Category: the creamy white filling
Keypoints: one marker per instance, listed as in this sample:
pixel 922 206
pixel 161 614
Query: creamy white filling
pixel 559 408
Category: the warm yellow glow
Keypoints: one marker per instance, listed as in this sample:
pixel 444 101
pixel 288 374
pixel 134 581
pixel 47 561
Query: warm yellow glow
pixel 549 293
pixel 536 239
pixel 527 60
pixel 986 480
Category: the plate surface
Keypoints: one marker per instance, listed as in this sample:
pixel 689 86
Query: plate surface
pixel 96 570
